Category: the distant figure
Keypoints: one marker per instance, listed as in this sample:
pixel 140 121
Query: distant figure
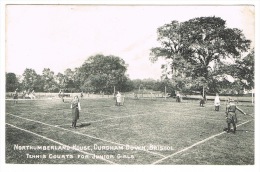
pixel 217 102
pixel 15 96
pixel 75 106
pixel 61 95
pixel 231 116
pixel 178 97
pixel 152 95
pixel 101 93
pixel 202 101
pixel 135 96
pixel 118 99
pixel 81 94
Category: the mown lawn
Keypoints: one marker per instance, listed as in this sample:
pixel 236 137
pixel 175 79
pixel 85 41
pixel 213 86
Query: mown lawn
pixel 140 124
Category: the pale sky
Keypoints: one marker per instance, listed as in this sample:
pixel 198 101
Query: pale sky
pixel 64 36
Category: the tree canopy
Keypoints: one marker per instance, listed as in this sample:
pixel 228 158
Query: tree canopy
pixel 200 54
pixel 11 82
pixel 31 80
pixel 197 47
pixel 101 73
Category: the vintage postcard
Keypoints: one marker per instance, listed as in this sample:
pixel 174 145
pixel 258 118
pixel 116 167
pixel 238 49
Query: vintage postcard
pixel 129 84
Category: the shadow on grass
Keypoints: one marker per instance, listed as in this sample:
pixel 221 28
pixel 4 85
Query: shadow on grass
pixel 84 125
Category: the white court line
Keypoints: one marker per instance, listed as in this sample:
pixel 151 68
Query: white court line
pixel 123 110
pixel 96 114
pixel 83 134
pixel 59 143
pixel 195 144
pixel 117 117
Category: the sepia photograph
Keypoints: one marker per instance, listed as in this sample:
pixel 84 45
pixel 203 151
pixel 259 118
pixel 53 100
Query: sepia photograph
pixel 129 84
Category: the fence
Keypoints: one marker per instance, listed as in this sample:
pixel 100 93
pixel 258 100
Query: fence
pixel 134 95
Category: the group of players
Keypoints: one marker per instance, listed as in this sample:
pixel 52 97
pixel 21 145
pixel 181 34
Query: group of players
pixel 230 111
pixel 231 108
pixel 25 94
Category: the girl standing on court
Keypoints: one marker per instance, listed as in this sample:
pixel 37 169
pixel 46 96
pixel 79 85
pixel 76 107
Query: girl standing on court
pixel 118 99
pixel 15 96
pixel 217 102
pixel 75 106
pixel 231 116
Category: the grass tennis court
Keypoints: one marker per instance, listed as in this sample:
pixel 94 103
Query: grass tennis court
pixel 144 131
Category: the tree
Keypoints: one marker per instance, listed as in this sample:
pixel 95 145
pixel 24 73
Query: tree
pixel 69 80
pixel 160 86
pixel 241 71
pixel 11 82
pixel 196 48
pixel 60 80
pixel 102 73
pixel 31 80
pixel 138 84
pixel 127 86
pixel 244 70
pixel 49 84
pixel 69 74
